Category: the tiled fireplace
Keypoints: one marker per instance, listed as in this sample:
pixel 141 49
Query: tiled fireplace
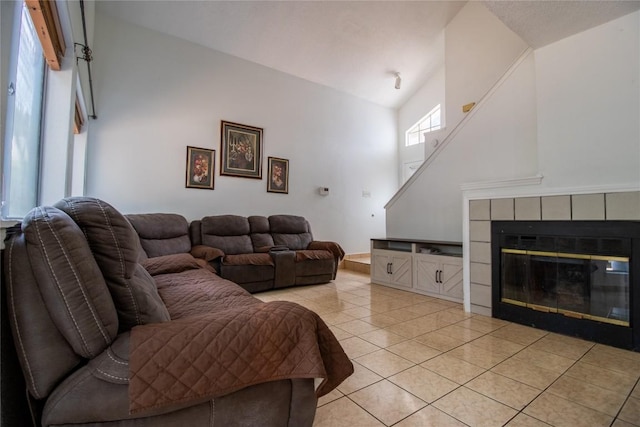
pixel 546 214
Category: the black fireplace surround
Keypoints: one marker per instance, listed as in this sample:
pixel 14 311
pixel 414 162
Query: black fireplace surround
pixel 578 278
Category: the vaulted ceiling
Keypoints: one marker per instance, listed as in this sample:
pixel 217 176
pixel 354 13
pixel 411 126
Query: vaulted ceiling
pixel 353 46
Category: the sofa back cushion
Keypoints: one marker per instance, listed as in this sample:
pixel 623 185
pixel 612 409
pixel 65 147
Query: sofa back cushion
pixel 161 233
pixel 291 231
pixel 230 233
pixel 72 286
pixel 260 236
pixel 195 232
pixel 115 247
pixel 45 355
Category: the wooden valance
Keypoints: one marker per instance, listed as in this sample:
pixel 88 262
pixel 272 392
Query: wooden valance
pixel 78 120
pixel 44 15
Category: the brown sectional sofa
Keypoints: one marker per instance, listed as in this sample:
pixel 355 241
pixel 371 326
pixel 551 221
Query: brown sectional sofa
pixel 258 253
pixel 124 327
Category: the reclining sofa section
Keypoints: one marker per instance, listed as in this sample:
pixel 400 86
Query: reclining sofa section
pixel 108 334
pixel 258 253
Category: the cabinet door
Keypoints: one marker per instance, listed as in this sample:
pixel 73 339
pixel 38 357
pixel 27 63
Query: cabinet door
pixel 426 270
pixel 451 277
pixel 401 270
pixel 379 268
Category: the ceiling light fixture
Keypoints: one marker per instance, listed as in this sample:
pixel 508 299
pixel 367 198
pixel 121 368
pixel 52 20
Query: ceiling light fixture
pixel 398 80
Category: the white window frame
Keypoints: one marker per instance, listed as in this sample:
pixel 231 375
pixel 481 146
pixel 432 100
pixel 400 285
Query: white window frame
pixel 57 155
pixel 8 167
pixel 415 134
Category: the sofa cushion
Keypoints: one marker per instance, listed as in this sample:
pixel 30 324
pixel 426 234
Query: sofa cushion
pixel 288 224
pixel 291 231
pixel 198 291
pixel 230 233
pixel 162 233
pixel 45 356
pixel 318 263
pixel 114 245
pixel 305 255
pixel 206 253
pixel 175 263
pixel 333 247
pixel 72 286
pixel 195 232
pixel 248 259
pixel 260 236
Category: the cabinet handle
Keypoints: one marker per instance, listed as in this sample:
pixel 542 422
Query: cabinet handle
pixel 438 276
pixel 390 268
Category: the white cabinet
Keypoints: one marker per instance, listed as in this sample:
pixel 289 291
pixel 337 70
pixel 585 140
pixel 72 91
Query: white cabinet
pixel 404 264
pixel 391 267
pixel 439 275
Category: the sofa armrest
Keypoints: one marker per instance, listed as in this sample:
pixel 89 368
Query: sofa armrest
pixel 332 247
pixel 206 253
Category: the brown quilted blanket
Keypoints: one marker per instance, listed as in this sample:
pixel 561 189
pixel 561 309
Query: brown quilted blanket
pixel 209 355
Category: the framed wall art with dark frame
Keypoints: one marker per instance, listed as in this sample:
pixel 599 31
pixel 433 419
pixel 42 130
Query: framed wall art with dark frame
pixel 200 168
pixel 278 181
pixel 240 150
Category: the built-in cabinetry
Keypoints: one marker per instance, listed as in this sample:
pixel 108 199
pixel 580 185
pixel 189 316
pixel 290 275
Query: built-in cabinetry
pixel 391 267
pixel 428 267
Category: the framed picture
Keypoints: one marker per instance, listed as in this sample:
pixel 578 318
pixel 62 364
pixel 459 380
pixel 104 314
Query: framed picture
pixel 278 181
pixel 200 168
pixel 241 150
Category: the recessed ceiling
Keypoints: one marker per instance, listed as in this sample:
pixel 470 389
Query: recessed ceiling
pixel 352 46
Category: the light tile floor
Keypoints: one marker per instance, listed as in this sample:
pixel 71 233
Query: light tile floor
pixel 422 361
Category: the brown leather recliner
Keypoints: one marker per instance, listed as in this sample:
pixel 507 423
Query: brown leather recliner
pixel 75 289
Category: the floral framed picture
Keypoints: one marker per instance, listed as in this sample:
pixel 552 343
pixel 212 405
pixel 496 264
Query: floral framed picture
pixel 240 150
pixel 200 168
pixel 278 181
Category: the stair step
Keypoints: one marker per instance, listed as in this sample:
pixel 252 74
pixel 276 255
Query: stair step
pixel 360 263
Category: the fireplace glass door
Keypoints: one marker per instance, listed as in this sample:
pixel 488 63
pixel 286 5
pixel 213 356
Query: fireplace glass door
pixel 593 287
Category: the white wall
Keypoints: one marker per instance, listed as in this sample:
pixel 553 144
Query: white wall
pixel 569 112
pixel 479 48
pixel 478 51
pixel 156 94
pixel 497 143
pixel 589 106
pixel 424 100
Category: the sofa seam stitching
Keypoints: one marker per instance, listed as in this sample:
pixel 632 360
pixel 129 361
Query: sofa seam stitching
pixel 64 298
pixel 15 322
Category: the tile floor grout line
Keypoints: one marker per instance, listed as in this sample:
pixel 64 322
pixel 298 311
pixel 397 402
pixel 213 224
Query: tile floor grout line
pixel 366 290
pixel 521 411
pixel 365 409
pixel 625 402
pixel 554 381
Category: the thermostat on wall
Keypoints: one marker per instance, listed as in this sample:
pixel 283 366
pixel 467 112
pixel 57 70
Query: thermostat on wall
pixel 324 191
